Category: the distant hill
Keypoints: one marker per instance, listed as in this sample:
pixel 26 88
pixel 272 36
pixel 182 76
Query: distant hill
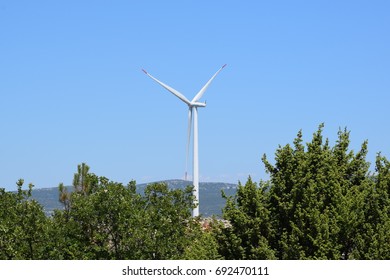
pixel 211 201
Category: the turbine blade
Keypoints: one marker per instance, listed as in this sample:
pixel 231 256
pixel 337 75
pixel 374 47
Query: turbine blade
pixel 188 139
pixel 172 90
pixel 201 92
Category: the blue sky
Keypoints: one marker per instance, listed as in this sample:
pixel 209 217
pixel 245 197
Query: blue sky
pixel 72 89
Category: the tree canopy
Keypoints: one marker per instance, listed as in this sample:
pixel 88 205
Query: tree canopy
pixel 320 202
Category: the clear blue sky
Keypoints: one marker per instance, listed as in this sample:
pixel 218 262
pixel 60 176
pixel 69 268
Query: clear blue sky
pixel 72 89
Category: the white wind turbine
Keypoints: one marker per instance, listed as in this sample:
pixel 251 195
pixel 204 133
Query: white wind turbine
pixel 192 111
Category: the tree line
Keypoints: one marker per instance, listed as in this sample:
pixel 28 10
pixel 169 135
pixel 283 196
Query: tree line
pixel 320 202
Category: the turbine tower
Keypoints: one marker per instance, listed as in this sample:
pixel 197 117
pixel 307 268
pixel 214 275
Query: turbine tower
pixel 192 113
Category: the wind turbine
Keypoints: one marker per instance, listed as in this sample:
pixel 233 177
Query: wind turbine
pixel 192 113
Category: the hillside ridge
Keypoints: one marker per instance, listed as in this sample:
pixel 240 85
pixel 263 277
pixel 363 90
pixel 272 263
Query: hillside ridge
pixel 211 201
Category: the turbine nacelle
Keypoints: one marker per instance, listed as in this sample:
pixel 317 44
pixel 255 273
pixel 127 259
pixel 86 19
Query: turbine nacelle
pixel 197 104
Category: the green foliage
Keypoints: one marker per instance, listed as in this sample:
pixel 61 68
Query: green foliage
pixel 104 220
pixel 167 218
pixel 23 225
pixel 304 200
pixel 97 225
pixel 246 236
pixel 373 231
pixel 203 245
pixel 111 221
pixel 321 202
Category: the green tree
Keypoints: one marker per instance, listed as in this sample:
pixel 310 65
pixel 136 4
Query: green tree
pixel 373 230
pixel 168 220
pixel 112 221
pixel 82 184
pixel 203 243
pixel 321 202
pixel 247 235
pixel 23 225
pixel 101 223
pixel 81 180
pixel 311 195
